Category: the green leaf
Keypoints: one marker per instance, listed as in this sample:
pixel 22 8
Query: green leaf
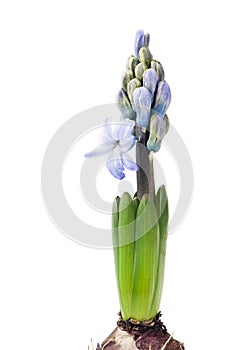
pixel 136 203
pixel 126 242
pixel 115 218
pixel 163 215
pixel 146 260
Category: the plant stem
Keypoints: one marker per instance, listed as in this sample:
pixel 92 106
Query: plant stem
pixel 145 173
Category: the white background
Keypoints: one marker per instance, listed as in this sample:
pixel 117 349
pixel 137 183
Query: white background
pixel 59 58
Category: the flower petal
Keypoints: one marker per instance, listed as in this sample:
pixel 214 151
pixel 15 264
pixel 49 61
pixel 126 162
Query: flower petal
pixel 107 131
pixel 115 166
pixel 123 129
pixel 101 149
pixel 127 144
pixel 128 162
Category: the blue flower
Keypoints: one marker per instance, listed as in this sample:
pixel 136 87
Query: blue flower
pixel 117 141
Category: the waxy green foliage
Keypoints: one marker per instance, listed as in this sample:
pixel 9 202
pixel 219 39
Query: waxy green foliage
pixel 139 241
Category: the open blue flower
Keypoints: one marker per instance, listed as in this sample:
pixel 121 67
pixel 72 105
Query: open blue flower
pixel 117 141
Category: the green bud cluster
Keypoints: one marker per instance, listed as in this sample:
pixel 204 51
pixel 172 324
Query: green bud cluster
pixel 135 78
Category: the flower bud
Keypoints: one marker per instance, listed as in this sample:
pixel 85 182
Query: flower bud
pixel 158 68
pixel 131 86
pixel 163 98
pixel 157 126
pixel 145 55
pixel 139 42
pixel 127 77
pixel 167 123
pixel 131 63
pixel 154 147
pixel 150 81
pixel 124 105
pixel 142 106
pixel 146 39
pixel 139 70
pixel 157 132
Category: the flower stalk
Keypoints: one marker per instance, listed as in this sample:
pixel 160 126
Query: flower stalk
pixel 145 172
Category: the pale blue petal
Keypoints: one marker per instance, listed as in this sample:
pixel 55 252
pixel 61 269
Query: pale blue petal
pixel 114 164
pixel 128 162
pixel 104 148
pixel 124 129
pixel 107 133
pixel 127 144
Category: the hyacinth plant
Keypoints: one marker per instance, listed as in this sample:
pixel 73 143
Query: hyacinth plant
pixel 139 224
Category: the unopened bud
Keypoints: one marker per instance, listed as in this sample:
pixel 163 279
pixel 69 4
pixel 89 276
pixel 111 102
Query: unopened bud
pixel 146 39
pixel 131 63
pixel 131 86
pixel 145 55
pixel 150 81
pixel 139 70
pixel 124 105
pixel 163 98
pixel 127 77
pixel 157 132
pixel 139 42
pixel 167 123
pixel 142 106
pixel 158 68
